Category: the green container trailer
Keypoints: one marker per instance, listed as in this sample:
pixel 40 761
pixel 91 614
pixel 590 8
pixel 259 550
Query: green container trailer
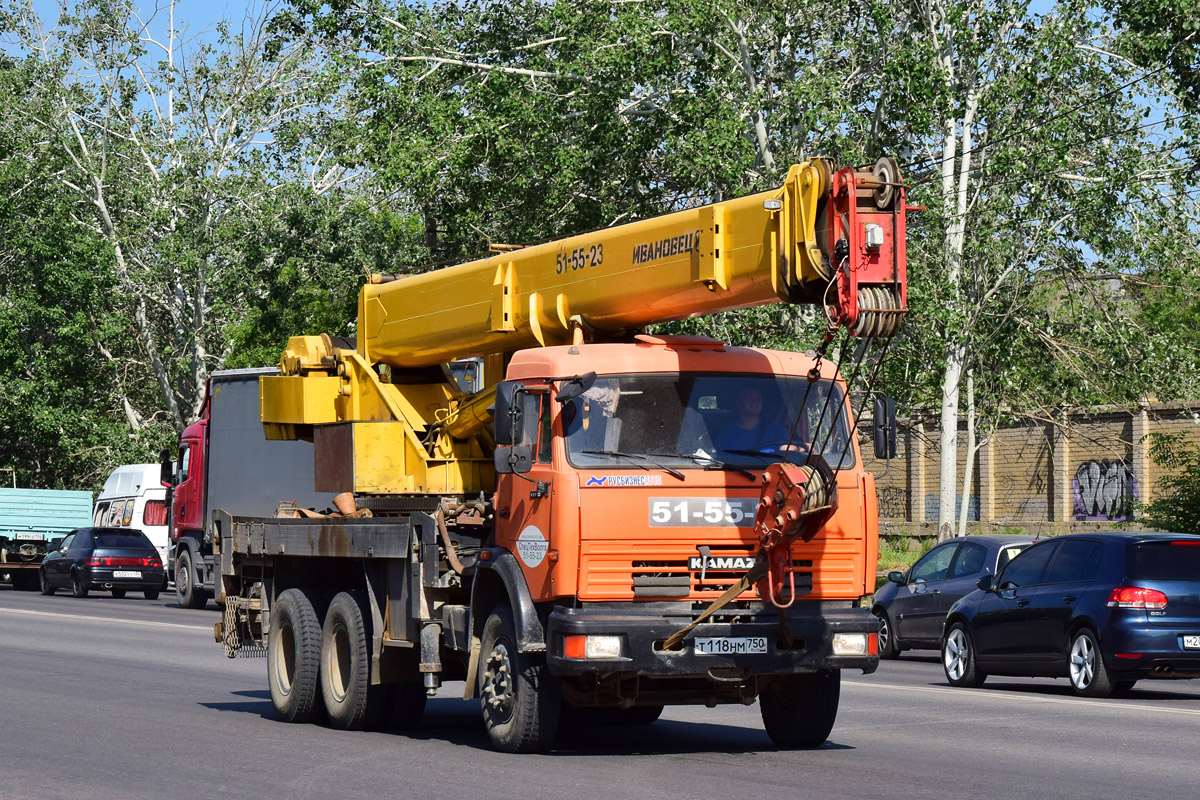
pixel 32 523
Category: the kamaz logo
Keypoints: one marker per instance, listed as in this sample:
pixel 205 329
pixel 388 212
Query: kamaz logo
pixel 725 562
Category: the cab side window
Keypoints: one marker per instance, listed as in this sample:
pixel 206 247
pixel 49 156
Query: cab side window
pixel 934 565
pixel 544 440
pixel 185 461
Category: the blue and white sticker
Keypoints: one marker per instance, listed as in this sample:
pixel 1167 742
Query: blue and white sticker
pixel 532 546
pixel 609 481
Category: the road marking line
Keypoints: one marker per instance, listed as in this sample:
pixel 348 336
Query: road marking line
pixel 107 619
pixel 991 694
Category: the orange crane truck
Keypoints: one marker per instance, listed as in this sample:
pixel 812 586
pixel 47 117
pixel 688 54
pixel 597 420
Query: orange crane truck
pixel 624 520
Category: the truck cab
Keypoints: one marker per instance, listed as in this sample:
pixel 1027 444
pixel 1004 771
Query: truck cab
pixel 642 491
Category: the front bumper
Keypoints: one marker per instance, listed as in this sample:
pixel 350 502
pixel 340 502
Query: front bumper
pixel 642 630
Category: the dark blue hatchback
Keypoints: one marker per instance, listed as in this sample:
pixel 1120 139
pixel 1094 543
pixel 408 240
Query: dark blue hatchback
pixel 1103 610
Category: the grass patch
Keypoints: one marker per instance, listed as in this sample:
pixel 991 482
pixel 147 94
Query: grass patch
pixel 896 552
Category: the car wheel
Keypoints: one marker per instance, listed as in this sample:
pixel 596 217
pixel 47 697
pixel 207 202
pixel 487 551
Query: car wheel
pixel 352 702
pixel 78 587
pixel 118 593
pixel 43 584
pixel 799 710
pixel 186 591
pixel 958 658
pixel 151 594
pixel 1085 666
pixel 887 636
pixel 1124 687
pixel 294 657
pixel 519 697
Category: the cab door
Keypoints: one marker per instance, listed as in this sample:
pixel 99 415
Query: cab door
pixel 525 500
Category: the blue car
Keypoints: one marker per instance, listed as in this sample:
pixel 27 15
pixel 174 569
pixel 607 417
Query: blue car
pixel 1101 609
pixel 912 605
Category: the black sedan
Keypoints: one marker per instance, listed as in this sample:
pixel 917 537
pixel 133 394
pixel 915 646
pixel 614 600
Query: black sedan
pixel 1103 610
pixel 114 559
pixel 912 605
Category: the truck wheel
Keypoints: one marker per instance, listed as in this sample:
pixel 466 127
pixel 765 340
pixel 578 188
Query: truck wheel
pixel 186 591
pixel 799 710
pixel 519 696
pixel 294 656
pixel 78 587
pixel 24 581
pixel 352 702
pixel 44 584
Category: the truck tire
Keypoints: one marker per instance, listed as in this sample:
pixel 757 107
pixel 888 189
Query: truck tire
pixel 44 584
pixel 186 590
pixel 352 702
pixel 519 697
pixel 78 587
pixel 799 710
pixel 294 657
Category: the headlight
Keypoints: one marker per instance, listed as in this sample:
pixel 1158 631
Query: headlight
pixel 849 644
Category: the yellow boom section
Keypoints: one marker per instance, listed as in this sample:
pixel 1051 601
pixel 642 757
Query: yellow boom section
pixel 679 265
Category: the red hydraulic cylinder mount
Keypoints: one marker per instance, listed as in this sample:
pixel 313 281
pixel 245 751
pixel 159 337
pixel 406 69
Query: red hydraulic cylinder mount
pixel 797 499
pixel 867 226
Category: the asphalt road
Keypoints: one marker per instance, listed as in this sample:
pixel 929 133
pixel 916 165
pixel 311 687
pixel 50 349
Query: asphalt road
pixel 133 699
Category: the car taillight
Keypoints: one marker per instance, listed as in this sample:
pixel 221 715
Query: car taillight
pixel 1136 597
pixel 122 561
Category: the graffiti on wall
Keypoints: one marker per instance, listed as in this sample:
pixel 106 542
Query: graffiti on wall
pixel 1104 490
pixel 933 514
pixel 893 503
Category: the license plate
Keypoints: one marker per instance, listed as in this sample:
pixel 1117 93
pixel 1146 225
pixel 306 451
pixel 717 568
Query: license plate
pixel 1191 643
pixel 126 573
pixel 30 537
pixel 731 645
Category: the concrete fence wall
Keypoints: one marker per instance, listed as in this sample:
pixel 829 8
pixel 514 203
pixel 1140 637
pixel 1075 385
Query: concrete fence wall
pixel 1089 472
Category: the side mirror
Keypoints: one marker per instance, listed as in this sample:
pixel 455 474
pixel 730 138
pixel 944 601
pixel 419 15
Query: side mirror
pixel 166 472
pixel 574 387
pixel 883 428
pixel 896 577
pixel 985 582
pixel 516 413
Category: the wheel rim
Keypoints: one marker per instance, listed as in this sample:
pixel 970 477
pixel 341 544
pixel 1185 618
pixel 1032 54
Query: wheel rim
pixel 284 645
pixel 954 654
pixel 1083 662
pixel 337 663
pixel 182 579
pixel 885 634
pixel 498 691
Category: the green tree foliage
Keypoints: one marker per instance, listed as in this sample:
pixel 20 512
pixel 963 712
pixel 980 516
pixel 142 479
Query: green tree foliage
pixel 1178 507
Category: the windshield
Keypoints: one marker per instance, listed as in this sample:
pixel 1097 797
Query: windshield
pixel 688 420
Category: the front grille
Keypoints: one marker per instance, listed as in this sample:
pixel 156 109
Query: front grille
pixel 667 578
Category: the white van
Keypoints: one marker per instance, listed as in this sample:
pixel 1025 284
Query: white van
pixel 134 497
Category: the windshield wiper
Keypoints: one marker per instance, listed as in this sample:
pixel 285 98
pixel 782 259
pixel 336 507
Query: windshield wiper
pixel 709 462
pixel 616 454
pixel 772 456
